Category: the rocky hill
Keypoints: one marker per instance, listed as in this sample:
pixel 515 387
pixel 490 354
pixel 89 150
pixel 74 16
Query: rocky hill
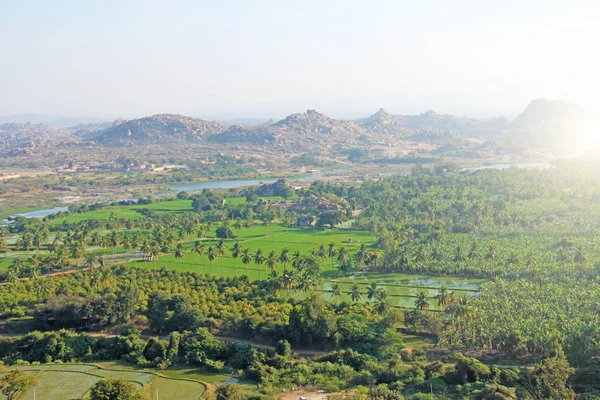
pixel 158 129
pixel 551 123
pixel 28 135
pixel 301 132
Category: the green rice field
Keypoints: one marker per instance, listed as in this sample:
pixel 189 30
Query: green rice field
pixel 73 381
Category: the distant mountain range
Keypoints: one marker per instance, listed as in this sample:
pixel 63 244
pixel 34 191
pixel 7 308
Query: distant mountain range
pixel 544 123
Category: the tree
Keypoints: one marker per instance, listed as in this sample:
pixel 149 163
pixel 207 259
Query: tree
pixel 179 252
pixel 382 305
pixel 77 251
pixel 259 258
pixel 372 291
pixel 272 260
pixel 199 250
pixel 494 392
pixel 223 232
pixel 362 255
pixel 331 252
pixel 421 301
pixel 212 254
pixel 549 378
pixel 221 250
pixel 443 296
pixel 342 257
pixel 230 391
pixel 15 384
pixel 284 257
pixel 336 290
pixel 114 389
pixel 246 259
pixel 236 251
pixel 89 260
pixel 355 293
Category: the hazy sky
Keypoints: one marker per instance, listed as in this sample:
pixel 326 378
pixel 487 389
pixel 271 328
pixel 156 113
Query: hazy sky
pixel 271 58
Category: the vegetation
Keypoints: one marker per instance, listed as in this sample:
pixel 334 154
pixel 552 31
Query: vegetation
pixel 498 268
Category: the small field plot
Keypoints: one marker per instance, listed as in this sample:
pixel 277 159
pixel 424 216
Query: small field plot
pixel 53 385
pixel 176 389
pixel 73 381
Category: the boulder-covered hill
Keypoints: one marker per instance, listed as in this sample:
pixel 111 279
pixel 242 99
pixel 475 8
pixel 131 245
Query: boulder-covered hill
pixel 28 135
pixel 302 131
pixel 431 122
pixel 158 129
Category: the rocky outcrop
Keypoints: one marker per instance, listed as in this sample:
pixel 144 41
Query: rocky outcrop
pixel 279 188
pixel 315 203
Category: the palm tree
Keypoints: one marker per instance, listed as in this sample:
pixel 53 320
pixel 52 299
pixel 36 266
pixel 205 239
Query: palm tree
pixel 165 249
pixel 288 279
pixel 212 254
pixel 272 260
pixel 89 260
pixel 382 306
pixel 331 251
pixel 179 252
pixel 336 290
pixel 463 309
pixel 443 296
pixel 16 267
pixel 297 260
pixel 284 257
pixel 246 259
pixel 43 287
pixel 259 258
pixel 361 255
pixel 32 271
pixel 222 250
pixel 421 301
pixel 199 250
pixel 77 251
pixel 236 250
pixel 306 283
pixel 237 224
pixel 355 293
pixel 342 257
pixel 322 252
pixel 458 255
pixel 114 241
pixel 372 291
pixel 154 253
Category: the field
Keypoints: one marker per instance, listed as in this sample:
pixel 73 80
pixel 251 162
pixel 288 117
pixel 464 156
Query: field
pixel 73 381
pixel 401 288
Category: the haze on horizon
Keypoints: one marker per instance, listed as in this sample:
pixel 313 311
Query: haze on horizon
pixel 272 58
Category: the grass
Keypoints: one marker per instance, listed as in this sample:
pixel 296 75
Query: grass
pixel 272 238
pixel 73 381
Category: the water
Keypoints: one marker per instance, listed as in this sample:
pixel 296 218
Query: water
pixel 44 213
pixel 506 166
pixel 243 183
pixel 37 214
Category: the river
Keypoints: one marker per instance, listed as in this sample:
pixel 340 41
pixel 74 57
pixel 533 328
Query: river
pixel 242 183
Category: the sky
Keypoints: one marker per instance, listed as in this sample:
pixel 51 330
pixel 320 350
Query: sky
pixel 225 59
